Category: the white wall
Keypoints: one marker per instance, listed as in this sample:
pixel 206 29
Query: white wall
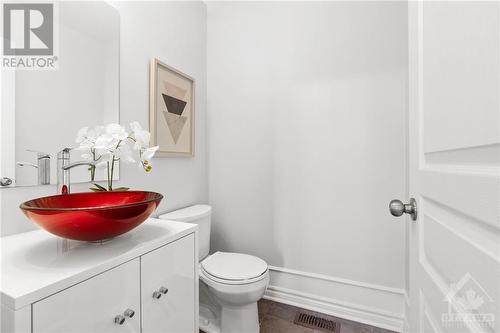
pixel 307 107
pixel 175 32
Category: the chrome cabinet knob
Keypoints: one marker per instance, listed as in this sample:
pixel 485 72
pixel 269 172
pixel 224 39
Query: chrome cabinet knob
pixel 398 208
pixel 129 313
pixel 119 320
pixel 5 181
pixel 162 291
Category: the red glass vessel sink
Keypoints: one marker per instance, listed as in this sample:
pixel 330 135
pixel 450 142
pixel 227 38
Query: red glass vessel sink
pixel 92 216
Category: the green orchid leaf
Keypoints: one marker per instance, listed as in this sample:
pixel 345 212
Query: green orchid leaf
pixel 102 188
pixel 121 189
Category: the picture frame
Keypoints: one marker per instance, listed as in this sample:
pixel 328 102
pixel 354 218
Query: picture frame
pixel 171 110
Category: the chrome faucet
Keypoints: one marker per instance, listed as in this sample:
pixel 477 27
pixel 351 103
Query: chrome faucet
pixel 63 170
pixel 43 166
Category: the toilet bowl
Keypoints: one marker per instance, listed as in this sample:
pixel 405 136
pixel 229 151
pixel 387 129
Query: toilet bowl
pixel 230 283
pixel 236 281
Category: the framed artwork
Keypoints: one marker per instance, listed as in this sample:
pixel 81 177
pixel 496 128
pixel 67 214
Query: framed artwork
pixel 171 111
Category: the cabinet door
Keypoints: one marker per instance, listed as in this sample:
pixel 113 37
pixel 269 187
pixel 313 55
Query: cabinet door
pixel 171 267
pixel 92 305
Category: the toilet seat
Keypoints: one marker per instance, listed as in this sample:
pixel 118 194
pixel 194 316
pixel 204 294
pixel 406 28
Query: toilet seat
pixel 233 268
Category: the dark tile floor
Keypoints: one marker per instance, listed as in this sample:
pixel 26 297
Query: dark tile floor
pixel 278 318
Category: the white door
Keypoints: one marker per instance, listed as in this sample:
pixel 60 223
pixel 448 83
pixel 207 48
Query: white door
pixel 454 153
pixel 169 280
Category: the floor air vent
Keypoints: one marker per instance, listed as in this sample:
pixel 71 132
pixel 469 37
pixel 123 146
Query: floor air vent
pixel 315 322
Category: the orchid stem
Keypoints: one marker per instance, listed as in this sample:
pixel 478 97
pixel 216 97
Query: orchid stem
pixel 112 173
pixel 92 167
pixel 108 176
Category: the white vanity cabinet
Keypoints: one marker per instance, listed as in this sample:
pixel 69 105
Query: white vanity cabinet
pixel 144 281
pixel 92 305
pixel 168 295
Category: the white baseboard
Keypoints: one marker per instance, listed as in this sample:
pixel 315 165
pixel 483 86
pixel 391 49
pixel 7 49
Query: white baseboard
pixel 366 303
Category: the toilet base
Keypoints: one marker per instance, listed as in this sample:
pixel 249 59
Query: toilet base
pixel 243 319
pixel 208 320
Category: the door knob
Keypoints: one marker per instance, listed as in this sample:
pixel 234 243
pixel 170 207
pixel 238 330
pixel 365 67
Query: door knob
pixel 398 208
pixel 156 295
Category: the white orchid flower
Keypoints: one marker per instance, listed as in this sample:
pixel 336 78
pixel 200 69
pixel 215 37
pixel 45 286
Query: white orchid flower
pixel 87 156
pixel 85 145
pixel 116 131
pixel 96 131
pixel 82 134
pixel 135 126
pixel 142 139
pixel 108 144
pixel 87 137
pixel 124 153
pixel 140 136
pixel 104 141
pixel 105 144
pixel 146 156
pixel 148 153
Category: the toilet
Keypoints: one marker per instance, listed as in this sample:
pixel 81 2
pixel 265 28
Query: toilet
pixel 230 283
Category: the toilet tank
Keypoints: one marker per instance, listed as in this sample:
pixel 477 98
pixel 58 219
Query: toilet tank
pixel 200 215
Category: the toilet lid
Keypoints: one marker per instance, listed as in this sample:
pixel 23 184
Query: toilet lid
pixel 234 266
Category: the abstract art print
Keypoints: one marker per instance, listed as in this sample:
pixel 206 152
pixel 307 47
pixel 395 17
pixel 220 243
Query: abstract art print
pixel 171 114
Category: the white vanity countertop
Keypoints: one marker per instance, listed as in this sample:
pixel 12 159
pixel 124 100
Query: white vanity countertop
pixel 37 264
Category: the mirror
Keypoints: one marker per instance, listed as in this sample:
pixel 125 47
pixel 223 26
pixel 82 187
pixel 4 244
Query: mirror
pixel 42 110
